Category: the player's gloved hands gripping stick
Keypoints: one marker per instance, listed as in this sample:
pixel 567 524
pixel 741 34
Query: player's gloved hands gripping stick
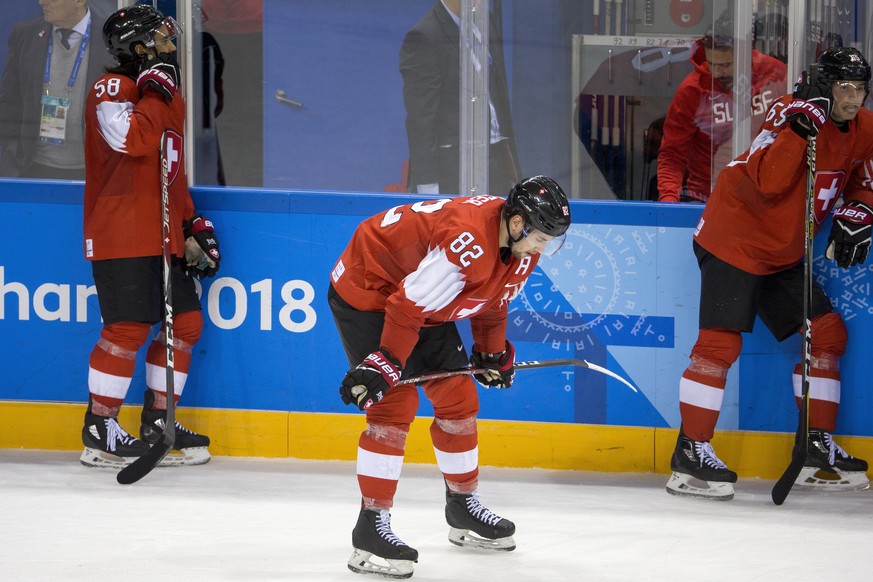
pixel 849 241
pixel 201 246
pixel 812 104
pixel 371 380
pixel 500 367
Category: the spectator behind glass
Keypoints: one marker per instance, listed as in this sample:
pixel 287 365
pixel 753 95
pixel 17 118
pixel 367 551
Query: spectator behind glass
pixel 430 66
pixel 699 125
pixel 50 65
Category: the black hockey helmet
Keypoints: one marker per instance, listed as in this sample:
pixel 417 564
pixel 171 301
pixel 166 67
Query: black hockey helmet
pixel 844 63
pixel 131 26
pixel 543 205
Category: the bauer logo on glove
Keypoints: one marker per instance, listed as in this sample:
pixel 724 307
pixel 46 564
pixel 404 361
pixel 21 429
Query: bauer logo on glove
pixel 850 237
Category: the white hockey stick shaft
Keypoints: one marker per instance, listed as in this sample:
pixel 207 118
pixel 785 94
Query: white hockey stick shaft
pixel 519 366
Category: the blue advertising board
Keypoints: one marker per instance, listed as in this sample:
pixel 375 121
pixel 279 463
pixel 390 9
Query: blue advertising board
pixel 622 293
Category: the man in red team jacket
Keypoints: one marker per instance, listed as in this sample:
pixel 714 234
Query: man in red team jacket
pixel 699 124
pixel 406 276
pixel 750 244
pixel 126 114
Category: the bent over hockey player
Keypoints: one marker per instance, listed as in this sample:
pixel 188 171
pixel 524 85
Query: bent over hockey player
pixel 127 111
pixel 406 276
pixel 750 245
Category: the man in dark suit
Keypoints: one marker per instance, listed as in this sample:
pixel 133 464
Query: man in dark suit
pixel 49 68
pixel 430 66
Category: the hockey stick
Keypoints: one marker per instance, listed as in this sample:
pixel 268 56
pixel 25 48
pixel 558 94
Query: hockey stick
pixel 799 452
pixel 144 464
pixel 518 366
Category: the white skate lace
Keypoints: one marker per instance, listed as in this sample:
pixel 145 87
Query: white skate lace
pixel 114 433
pixel 707 455
pixel 481 512
pixel 161 424
pixel 184 429
pixel 383 528
pixel 833 450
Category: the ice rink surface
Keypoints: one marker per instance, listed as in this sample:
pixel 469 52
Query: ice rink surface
pixel 267 519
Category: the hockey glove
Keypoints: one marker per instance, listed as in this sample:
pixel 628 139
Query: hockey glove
pixel 160 74
pixel 500 367
pixel 849 242
pixel 812 104
pixel 201 246
pixel 368 383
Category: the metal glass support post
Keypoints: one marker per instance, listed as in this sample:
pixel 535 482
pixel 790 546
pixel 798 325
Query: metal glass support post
pixel 475 112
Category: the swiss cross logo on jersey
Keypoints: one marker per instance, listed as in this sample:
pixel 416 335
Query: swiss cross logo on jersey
pixel 171 154
pixel 828 187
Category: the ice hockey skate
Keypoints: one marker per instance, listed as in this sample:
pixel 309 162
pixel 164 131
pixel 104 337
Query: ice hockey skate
pixel 473 525
pixel 698 472
pixel 107 445
pixel 377 550
pixel 830 468
pixel 189 448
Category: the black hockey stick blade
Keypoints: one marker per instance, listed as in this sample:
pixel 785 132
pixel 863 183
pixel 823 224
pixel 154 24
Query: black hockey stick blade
pixel 799 453
pixel 792 472
pixel 520 366
pixel 144 464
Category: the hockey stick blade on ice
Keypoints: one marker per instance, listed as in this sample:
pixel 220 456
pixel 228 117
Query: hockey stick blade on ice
pixel 144 464
pixel 801 438
pixel 520 366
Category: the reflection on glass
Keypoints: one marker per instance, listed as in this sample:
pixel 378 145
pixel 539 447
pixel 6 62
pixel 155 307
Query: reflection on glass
pixel 231 70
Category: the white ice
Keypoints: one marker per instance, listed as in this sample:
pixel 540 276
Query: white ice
pixel 242 519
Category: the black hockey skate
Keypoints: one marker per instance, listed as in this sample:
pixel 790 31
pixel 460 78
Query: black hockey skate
pixel 473 525
pixel 107 445
pixel 191 447
pixel 829 468
pixel 698 472
pixel 372 537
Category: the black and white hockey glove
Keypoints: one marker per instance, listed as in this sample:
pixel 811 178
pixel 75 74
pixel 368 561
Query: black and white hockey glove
pixel 849 242
pixel 160 74
pixel 371 380
pixel 500 367
pixel 201 246
pixel 812 104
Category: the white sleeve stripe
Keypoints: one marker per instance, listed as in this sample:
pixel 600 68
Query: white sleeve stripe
pixel 113 118
pixel 700 395
pixel 380 466
pixel 435 283
pixel 826 389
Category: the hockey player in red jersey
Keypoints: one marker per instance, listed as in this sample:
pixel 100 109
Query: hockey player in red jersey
pixel 406 276
pixel 750 245
pixel 127 111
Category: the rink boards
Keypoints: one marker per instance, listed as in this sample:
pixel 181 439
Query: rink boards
pixel 622 294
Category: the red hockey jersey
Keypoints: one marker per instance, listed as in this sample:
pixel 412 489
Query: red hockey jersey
pixel 122 170
pixel 754 219
pixel 432 262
